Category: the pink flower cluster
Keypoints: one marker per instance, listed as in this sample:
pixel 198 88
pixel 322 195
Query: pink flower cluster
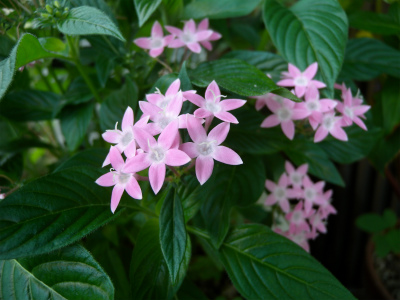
pixel 191 36
pixel 143 150
pixel 320 113
pixel 307 218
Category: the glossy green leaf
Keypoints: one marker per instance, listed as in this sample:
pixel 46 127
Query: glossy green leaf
pixel 149 274
pixel 78 92
pixel 191 194
pixel 220 9
pixel 373 223
pixel 390 101
pixel 172 233
pixel 104 66
pixel 184 78
pixel 75 120
pixel 237 76
pixel 265 265
pixel 319 165
pixel 27 49
pixel 100 4
pixel 145 8
pixel 368 58
pixel 189 291
pixel 71 273
pixel 310 31
pixel 89 158
pixel 86 20
pixel 30 105
pixel 114 106
pixel 373 22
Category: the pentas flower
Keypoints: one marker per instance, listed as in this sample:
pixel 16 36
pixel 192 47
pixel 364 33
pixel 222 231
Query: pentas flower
pixel 262 100
pixel 300 238
pixel 189 36
pixel 157 154
pixel 296 175
pixel 330 124
pixel 317 223
pixel 298 219
pixel 156 42
pixel 280 193
pixel 326 208
pixel 203 26
pixel 121 178
pixel 352 110
pixel 207 148
pixel 212 106
pixel 284 113
pixel 301 81
pixel 315 106
pixel 125 139
pixel 312 193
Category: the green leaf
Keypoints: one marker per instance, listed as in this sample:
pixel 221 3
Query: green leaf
pixel 104 66
pixel 191 194
pixel 86 20
pixel 114 106
pixel 100 4
pixel 303 151
pixel 75 120
pixel 189 291
pixel 89 158
pixel 149 272
pixel 28 49
pixel 265 265
pixel 145 8
pixel 163 83
pixel 374 223
pixel 373 22
pixel 52 212
pixel 310 31
pixel 237 76
pixel 220 9
pixel 30 105
pixel 390 101
pixel 172 233
pixel 186 85
pixel 78 92
pixel 70 273
pixel 368 58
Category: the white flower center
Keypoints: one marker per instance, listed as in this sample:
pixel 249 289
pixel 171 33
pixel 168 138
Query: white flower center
pixel 213 107
pixel 301 81
pixel 297 217
pixel 280 193
pixel 313 105
pixel 296 178
pixel 278 99
pixel 156 43
pixel 284 114
pixel 157 154
pixel 123 178
pixel 310 193
pixel 348 111
pixel 126 139
pixel 328 122
pixel 164 103
pixel 298 238
pixel 206 148
pixel 164 121
pixel 187 38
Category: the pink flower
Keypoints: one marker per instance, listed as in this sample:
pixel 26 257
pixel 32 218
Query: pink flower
pixel 330 124
pixel 317 223
pixel 283 113
pixel 189 37
pixel 207 148
pixel 203 26
pixel 279 193
pixel 296 175
pixel 262 100
pixel 326 208
pixel 157 154
pixel 301 80
pixel 121 178
pixel 352 109
pixel 156 42
pixel 125 139
pixel 315 106
pixel 298 219
pixel 213 106
pixel 312 193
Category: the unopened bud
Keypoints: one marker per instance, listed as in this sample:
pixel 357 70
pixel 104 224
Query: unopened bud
pixel 49 8
pixel 57 4
pixel 65 14
pixel 66 8
pixel 45 15
pixel 58 14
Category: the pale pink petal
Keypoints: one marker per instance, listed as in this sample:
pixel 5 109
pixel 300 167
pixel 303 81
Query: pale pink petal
pixel 307 206
pixel 190 149
pixel 154 98
pixel 299 114
pixel 116 195
pixel 314 123
pixel 207 45
pixel 106 179
pixel 320 134
pixel 286 82
pixel 311 71
pixel 203 35
pixel 204 168
pixel 190 27
pixel 167 40
pixel 196 131
pixel 156 30
pixel 128 119
pixel 230 104
pixel 307 182
pixel 227 156
pixel 213 92
pixel 174 30
pixel 219 132
pixel 362 109
pixel 175 105
pixel 271 200
pixel 303 169
pixel 150 109
pixel 144 139
pixel 289 167
pixel 226 116
pixel 293 70
pixel 327 105
pixel 142 123
pixel 360 123
pixel 202 113
pixel 318 84
pixel 195 99
pixel 273 105
pixel 260 103
pixel 215 36
pixel 176 44
pixel 270 185
pixel 144 43
pixel 288 129
pixel 283 180
pixel 107 160
pixel 173 89
pixel 319 185
pixel 339 133
pixel 203 25
pixel 156 52
pixel 175 158
pixel 168 135
pixel 312 93
pixel 112 136
pixel 194 47
pixel 270 121
pixel 156 176
pixel 284 204
pixel 300 90
pixel 130 150
pixel 137 163
pixel 133 189
pixel 116 159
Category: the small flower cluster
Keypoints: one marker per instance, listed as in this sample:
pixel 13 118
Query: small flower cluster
pixel 142 150
pixel 307 218
pixel 321 113
pixel 191 36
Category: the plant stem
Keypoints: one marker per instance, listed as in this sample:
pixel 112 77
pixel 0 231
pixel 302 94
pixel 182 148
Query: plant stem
pixel 174 171
pixel 164 64
pixel 198 232
pixel 75 56
pixel 7 178
pixel 54 75
pixel 44 78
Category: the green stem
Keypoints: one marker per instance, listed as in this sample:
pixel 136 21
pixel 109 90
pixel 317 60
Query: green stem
pixel 54 75
pixel 198 232
pixel 45 80
pixel 75 56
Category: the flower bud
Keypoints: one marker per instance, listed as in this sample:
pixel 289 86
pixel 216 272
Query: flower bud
pixel 57 4
pixel 58 14
pixel 49 8
pixel 45 15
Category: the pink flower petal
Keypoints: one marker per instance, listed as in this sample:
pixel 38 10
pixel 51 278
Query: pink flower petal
pixel 284 204
pixel 190 27
pixel 133 189
pixel 299 114
pixel 173 89
pixel 194 47
pixel 311 71
pixel 144 43
pixel 300 90
pixel 176 44
pixel 204 168
pixel 303 169
pixel 215 36
pixel 219 132
pixel 190 149
pixel 112 136
pixel 289 167
pixel 293 70
pixel 168 135
pixel 156 176
pixel 271 200
pixel 320 134
pixel 288 129
pixel 362 109
pixel 196 131
pixel 175 105
pixel 203 35
pixel 116 195
pixel 128 119
pixel 327 105
pixel 156 52
pixel 213 92
pixel 137 163
pixel 270 185
pixel 175 31
pixel 202 113
pixel 206 44
pixel 227 117
pixel 311 93
pixel 203 25
pixel 283 180
pixel 156 30
pixel 286 82
pixel 195 99
pixel 273 105
pixel 270 121
pixel 154 98
pixel 318 84
pixel 144 139
pixel 307 182
pixel 227 156
pixel 130 149
pixel 106 179
pixel 231 104
pixel 150 109
pixel 339 133
pixel 175 158
pixel 116 159
pixel 360 123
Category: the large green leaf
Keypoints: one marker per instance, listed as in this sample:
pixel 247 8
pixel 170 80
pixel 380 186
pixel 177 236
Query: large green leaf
pixel 237 76
pixel 303 151
pixel 191 193
pixel 30 105
pixel 28 49
pixel 75 120
pixel 265 265
pixel 70 273
pixel 390 101
pixel 145 8
pixel 93 157
pixel 220 9
pixel 100 4
pixel 310 31
pixel 368 58
pixel 373 22
pixel 149 272
pixel 172 233
pixel 374 223
pixel 86 20
pixel 114 106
